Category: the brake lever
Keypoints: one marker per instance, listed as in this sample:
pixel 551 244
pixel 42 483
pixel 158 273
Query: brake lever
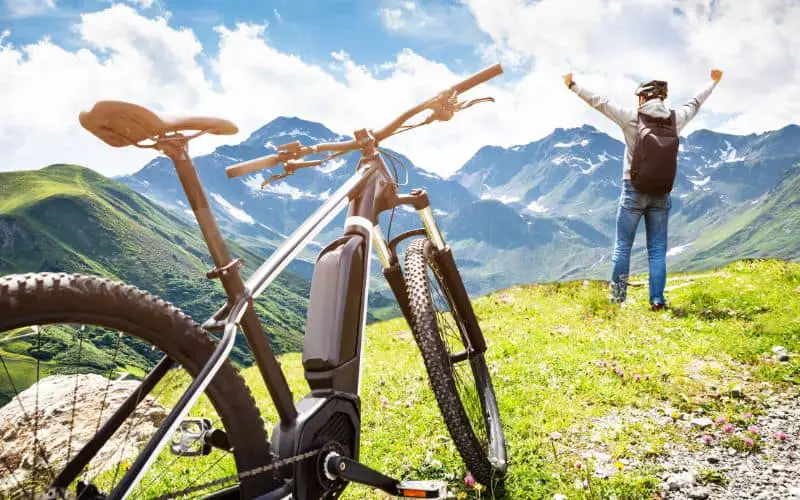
pixel 289 168
pixel 275 177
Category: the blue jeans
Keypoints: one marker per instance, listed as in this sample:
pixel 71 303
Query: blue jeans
pixel 632 206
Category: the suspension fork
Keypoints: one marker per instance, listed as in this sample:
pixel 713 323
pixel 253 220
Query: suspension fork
pixel 441 254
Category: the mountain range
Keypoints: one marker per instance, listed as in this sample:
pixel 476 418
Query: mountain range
pixel 541 211
pixel 534 212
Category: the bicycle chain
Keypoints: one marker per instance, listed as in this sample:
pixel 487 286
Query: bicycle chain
pixel 248 473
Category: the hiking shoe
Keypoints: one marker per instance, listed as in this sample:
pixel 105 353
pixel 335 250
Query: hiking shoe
pixel 657 307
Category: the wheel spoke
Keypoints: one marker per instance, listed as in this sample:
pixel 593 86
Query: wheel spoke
pixel 37 448
pixel 108 382
pixel 75 394
pixel 459 350
pixel 133 422
pixel 11 473
pixel 170 464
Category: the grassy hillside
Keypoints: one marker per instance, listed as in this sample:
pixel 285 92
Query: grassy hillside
pixel 585 386
pixel 766 228
pixel 70 219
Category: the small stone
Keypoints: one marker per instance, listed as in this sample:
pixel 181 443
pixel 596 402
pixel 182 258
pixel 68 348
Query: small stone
pixel 680 481
pixel 602 457
pixel 713 459
pixel 699 493
pixel 559 496
pixel 794 493
pixel 702 422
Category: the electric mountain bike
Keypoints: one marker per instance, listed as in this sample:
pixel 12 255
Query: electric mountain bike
pixel 166 358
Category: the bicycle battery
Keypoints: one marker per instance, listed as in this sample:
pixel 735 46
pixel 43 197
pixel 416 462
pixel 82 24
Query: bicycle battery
pixel 333 330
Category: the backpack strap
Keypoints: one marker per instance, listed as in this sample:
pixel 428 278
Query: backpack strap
pixel 674 122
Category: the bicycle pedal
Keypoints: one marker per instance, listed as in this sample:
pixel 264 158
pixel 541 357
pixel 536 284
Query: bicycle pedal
pixel 422 489
pixel 195 437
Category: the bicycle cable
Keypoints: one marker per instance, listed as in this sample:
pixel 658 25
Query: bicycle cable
pixel 394 160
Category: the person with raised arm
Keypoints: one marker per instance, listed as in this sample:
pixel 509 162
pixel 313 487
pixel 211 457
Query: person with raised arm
pixel 652 135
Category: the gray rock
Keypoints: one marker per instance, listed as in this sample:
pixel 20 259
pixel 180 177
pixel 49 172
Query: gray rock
pixel 713 459
pixel 778 349
pixel 680 481
pixel 702 422
pixel 699 493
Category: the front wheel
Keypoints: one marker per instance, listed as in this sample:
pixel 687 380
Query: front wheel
pixel 458 373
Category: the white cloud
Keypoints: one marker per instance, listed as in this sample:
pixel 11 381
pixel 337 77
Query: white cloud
pixel 145 4
pixel 277 16
pixel 435 20
pixel 608 42
pixel 145 59
pixel 27 8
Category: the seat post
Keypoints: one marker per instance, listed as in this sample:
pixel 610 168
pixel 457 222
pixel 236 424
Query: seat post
pixel 176 147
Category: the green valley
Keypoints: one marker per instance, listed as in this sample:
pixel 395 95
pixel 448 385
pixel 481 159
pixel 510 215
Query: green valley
pixel 66 218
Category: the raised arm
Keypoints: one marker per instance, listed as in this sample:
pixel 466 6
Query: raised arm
pixel 616 113
pixel 685 113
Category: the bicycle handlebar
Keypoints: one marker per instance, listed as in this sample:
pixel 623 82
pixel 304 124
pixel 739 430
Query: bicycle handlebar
pixel 269 161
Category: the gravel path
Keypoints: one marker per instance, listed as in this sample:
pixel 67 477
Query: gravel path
pixel 773 472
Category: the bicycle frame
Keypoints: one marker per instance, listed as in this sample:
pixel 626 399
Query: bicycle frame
pixel 368 193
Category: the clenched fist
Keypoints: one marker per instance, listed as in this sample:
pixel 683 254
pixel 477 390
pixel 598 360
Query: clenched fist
pixel 568 79
pixel 716 74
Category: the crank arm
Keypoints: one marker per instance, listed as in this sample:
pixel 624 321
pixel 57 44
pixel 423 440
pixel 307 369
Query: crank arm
pixel 350 470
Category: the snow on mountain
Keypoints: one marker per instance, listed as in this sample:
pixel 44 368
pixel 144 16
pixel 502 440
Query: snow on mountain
pixel 236 213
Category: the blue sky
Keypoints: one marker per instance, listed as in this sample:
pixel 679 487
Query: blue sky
pixel 311 28
pixel 351 64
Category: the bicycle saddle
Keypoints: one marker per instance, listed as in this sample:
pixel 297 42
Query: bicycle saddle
pixel 120 123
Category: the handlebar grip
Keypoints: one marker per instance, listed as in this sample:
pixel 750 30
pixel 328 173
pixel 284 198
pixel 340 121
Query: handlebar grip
pixel 247 167
pixel 478 78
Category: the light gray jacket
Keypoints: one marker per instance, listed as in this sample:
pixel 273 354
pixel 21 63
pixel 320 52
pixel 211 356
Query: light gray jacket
pixel 628 118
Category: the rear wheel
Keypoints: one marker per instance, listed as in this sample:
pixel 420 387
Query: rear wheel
pixel 458 375
pixel 72 349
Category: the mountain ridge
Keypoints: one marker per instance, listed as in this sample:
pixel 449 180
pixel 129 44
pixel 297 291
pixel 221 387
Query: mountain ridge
pixel 572 174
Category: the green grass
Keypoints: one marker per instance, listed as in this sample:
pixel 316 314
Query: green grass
pixel 66 218
pixel 547 345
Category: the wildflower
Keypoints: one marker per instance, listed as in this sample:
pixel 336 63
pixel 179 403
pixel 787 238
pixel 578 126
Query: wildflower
pixel 637 377
pixel 578 465
pixel 721 420
pixel 728 428
pixel 748 442
pixel 747 416
pixel 469 481
pixel 780 436
pixel 647 376
pixel 707 439
pixel 754 429
pixel 555 436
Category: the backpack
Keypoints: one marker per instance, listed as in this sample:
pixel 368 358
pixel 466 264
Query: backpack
pixel 655 155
